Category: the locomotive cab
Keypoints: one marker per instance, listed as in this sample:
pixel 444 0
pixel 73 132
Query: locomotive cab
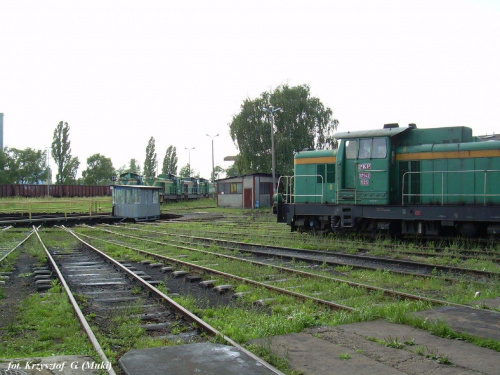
pixel 364 166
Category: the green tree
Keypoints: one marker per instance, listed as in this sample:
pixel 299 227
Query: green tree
pixel 233 169
pixel 28 166
pixel 70 171
pixel 218 170
pixel 67 166
pixel 170 161
pixel 99 170
pixel 304 122
pixel 187 171
pixel 133 167
pixel 150 162
pixel 5 171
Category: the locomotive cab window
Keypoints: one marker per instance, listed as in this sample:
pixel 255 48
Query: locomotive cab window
pixel 351 149
pixel 379 148
pixel 372 148
pixel 365 149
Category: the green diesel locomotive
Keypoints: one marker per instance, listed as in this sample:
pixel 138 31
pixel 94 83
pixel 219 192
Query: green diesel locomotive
pixel 405 180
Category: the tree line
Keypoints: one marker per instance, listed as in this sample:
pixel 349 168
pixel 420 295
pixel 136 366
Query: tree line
pixel 302 122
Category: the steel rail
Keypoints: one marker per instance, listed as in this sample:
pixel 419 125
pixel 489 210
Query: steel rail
pixel 298 257
pixel 189 316
pixel 303 273
pixel 77 309
pixel 19 244
pixel 352 256
pixel 487 256
pixel 224 274
pixel 359 248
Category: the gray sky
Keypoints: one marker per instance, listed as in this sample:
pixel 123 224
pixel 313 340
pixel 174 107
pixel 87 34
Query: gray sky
pixel 122 71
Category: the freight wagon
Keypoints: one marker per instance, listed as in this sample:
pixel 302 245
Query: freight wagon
pixel 66 191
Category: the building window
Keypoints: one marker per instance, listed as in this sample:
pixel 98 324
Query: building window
pixel 231 188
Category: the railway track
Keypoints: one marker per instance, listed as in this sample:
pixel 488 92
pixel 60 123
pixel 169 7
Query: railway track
pixel 277 272
pixel 339 259
pixel 419 249
pixel 10 245
pixel 109 291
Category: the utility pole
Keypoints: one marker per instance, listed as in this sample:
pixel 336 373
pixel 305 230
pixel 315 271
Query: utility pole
pixel 271 111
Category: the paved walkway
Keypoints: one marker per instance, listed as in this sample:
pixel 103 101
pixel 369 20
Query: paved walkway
pixel 382 348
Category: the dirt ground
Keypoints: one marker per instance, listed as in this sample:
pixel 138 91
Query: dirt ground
pixel 16 289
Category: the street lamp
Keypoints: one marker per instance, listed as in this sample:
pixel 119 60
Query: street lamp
pixel 271 111
pixel 213 168
pixel 189 155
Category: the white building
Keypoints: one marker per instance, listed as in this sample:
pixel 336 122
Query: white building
pixel 248 191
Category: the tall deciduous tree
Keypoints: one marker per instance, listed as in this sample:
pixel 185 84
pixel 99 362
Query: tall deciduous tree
pixel 170 161
pixel 5 172
pixel 28 166
pixel 304 122
pixel 99 170
pixel 186 171
pixel 150 162
pixel 134 167
pixel 67 166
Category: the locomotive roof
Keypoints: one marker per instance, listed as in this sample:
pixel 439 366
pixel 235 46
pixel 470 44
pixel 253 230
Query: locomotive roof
pixel 387 132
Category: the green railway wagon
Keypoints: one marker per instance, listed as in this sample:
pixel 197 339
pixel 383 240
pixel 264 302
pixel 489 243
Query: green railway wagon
pixel 203 187
pixel 130 178
pixel 171 187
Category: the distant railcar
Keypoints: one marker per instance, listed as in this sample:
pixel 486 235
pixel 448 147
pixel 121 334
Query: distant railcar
pixel 130 178
pixel 172 188
pixel 203 188
pixel 190 188
pixel 60 191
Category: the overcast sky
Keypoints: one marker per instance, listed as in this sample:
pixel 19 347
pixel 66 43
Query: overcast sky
pixel 120 72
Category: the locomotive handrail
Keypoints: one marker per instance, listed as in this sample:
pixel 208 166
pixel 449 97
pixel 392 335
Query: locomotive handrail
pixel 484 195
pixel 290 197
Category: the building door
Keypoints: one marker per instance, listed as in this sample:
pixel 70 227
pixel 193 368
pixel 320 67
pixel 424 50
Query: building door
pixel 247 198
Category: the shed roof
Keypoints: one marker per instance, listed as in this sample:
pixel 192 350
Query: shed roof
pixel 136 187
pixel 245 175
